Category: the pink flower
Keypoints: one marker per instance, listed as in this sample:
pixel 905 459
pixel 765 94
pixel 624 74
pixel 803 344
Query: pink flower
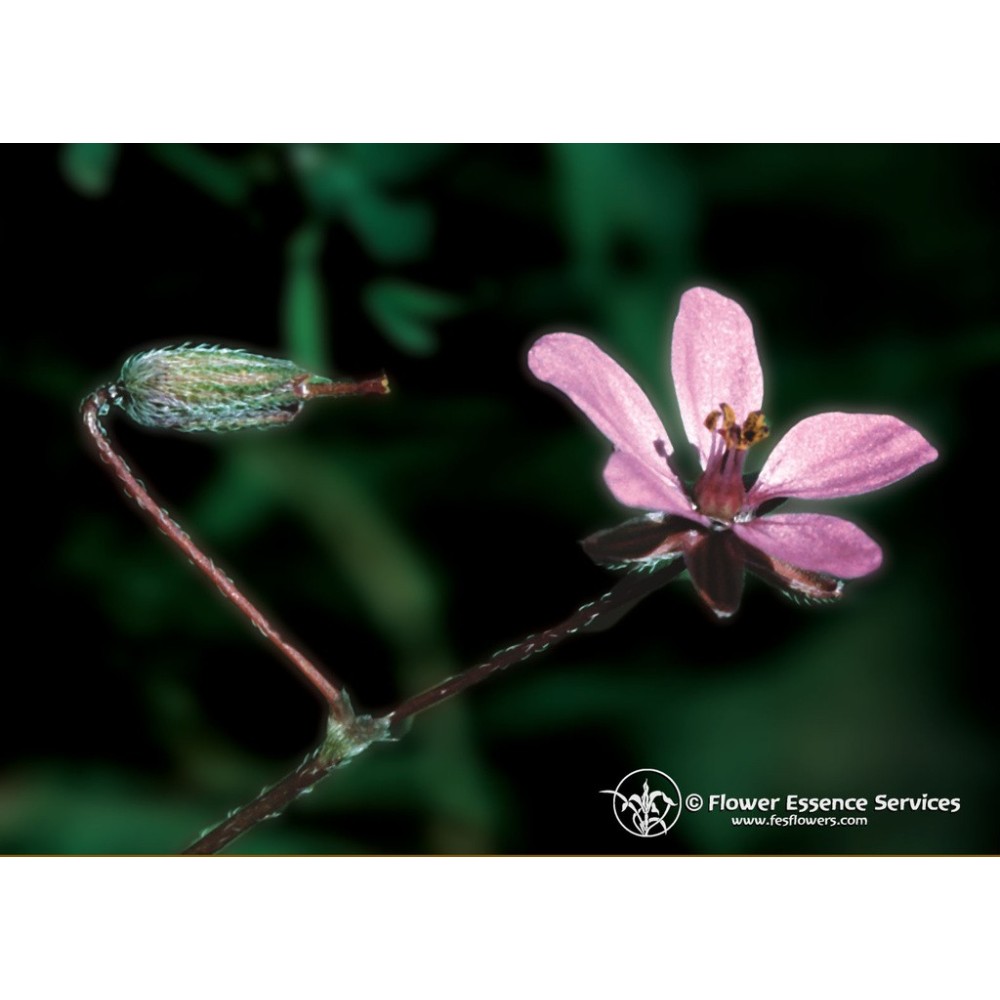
pixel 717 524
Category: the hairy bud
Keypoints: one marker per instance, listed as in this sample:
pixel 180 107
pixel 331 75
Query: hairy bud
pixel 220 389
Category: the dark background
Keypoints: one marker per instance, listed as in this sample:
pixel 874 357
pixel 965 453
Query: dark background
pixel 401 539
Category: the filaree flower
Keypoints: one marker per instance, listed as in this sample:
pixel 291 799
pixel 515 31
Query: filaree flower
pixel 719 525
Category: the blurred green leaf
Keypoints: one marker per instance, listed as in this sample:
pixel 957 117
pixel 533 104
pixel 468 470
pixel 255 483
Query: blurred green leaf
pixel 396 162
pixel 304 300
pixel 230 505
pixel 89 810
pixel 327 180
pixel 406 313
pixel 393 232
pixel 89 167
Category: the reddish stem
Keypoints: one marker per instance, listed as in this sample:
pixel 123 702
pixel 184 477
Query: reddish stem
pixel 271 802
pixel 595 616
pixel 377 386
pixel 93 406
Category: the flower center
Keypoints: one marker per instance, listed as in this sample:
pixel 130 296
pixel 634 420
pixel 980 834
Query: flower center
pixel 719 492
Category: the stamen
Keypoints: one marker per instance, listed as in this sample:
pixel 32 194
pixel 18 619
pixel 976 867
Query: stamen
pixel 719 492
pixel 754 429
pixel 734 436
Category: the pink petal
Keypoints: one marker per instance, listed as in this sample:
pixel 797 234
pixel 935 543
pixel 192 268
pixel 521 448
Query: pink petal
pixel 635 484
pixel 819 543
pixel 714 360
pixel 840 455
pixel 637 473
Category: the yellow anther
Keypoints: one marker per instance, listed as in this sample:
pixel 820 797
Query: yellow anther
pixel 738 438
pixel 754 429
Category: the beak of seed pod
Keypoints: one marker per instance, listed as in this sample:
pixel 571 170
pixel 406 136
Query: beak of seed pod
pixel 222 389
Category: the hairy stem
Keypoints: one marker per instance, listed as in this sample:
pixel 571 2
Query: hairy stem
pixel 333 694
pixel 594 616
pixel 349 742
pixel 269 804
pixel 343 741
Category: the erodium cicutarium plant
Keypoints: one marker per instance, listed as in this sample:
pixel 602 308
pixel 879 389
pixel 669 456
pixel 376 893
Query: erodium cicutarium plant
pixel 717 527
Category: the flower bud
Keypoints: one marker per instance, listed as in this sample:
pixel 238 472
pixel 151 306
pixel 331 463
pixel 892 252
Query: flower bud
pixel 220 389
